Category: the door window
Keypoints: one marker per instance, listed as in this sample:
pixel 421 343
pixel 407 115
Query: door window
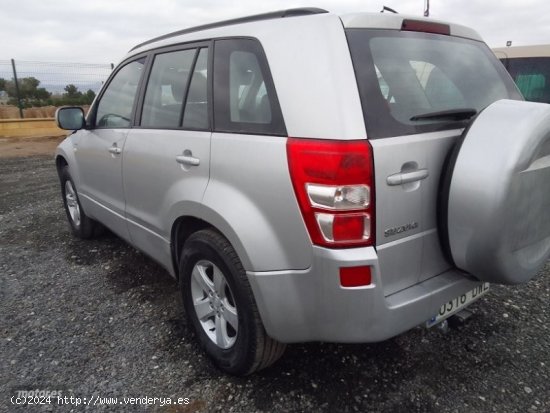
pixel 114 109
pixel 196 105
pixel 165 93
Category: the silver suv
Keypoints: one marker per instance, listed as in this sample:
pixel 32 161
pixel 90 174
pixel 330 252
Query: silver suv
pixel 307 176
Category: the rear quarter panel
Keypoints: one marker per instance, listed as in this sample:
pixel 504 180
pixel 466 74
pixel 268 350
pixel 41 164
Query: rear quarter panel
pixel 251 200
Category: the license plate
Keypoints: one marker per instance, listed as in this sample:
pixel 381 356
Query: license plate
pixel 457 304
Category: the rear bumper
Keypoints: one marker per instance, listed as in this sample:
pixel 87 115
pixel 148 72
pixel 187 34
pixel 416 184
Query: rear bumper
pixel 310 305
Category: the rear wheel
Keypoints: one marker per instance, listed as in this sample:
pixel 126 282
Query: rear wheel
pixel 220 305
pixel 81 225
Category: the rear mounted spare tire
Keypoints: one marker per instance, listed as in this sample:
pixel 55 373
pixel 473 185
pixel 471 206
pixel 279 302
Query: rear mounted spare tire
pixel 497 214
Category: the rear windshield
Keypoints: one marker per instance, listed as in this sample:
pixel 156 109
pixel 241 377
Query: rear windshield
pixel 532 75
pixel 412 82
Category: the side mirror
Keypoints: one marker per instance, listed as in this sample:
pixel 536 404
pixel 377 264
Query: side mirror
pixel 70 118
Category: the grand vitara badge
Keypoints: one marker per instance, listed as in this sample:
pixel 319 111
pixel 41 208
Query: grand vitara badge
pixel 398 230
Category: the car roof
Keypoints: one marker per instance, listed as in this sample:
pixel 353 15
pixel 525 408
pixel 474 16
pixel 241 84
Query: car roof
pixel 395 22
pixel 305 11
pixel 299 15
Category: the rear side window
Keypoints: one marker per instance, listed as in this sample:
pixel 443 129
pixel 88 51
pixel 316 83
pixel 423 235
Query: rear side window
pixel 196 103
pixel 404 76
pixel 115 107
pixel 532 76
pixel 176 94
pixel 163 103
pixel 244 95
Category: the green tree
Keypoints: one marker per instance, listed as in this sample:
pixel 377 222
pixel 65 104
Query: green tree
pixel 2 84
pixel 72 92
pixel 73 96
pixel 90 96
pixel 29 92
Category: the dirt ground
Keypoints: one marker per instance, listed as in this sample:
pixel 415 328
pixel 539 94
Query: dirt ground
pixel 20 147
pixel 100 321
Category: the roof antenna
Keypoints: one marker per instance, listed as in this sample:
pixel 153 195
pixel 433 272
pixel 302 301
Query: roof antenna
pixel 426 8
pixel 388 9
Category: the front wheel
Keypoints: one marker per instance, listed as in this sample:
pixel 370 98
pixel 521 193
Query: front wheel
pixel 81 225
pixel 219 303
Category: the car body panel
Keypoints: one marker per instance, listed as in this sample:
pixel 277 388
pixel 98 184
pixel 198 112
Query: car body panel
pixel 100 171
pixel 406 221
pixel 254 195
pixel 313 306
pixel 154 181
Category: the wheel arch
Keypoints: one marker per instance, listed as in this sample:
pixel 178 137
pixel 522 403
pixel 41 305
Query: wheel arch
pixel 184 226
pixel 65 156
pixel 60 163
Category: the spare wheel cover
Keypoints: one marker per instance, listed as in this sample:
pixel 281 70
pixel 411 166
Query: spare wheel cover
pixel 499 194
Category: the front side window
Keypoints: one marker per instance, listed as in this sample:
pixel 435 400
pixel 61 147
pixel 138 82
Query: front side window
pixel 244 95
pixel 412 82
pixel 114 109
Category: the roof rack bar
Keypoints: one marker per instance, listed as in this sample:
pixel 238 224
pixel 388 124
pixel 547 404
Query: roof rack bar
pixel 304 11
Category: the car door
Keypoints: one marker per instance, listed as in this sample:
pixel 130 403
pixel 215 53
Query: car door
pixel 99 149
pixel 419 91
pixel 167 157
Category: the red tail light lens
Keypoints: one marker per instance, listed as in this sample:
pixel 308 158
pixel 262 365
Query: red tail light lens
pixel 426 27
pixel 351 227
pixel 334 185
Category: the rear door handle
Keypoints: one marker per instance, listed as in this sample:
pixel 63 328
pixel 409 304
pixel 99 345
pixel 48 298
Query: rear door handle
pixel 188 160
pixel 115 150
pixel 406 177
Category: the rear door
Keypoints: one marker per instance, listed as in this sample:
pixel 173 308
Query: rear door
pixel 418 91
pixel 167 155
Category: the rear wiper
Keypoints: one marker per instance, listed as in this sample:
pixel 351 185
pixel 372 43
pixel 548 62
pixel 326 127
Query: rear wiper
pixel 452 114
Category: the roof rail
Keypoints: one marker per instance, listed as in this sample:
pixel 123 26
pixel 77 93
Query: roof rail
pixel 304 11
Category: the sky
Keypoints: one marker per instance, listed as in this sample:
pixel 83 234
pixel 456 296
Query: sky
pixel 102 31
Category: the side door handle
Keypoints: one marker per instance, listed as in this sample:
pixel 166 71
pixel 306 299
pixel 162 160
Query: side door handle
pixel 407 177
pixel 188 159
pixel 115 150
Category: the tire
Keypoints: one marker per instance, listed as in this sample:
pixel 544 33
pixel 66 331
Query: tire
pixel 229 329
pixel 81 225
pixel 495 194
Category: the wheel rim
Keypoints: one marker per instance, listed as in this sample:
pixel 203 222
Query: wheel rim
pixel 72 203
pixel 214 304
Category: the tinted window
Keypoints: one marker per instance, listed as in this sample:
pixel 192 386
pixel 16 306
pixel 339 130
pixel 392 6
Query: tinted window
pixel 114 110
pixel 196 104
pixel 244 95
pixel 162 106
pixel 402 75
pixel 532 75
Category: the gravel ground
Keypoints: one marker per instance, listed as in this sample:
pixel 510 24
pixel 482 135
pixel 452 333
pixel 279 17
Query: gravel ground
pixel 99 319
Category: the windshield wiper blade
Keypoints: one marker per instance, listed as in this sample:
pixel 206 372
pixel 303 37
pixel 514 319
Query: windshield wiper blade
pixel 452 114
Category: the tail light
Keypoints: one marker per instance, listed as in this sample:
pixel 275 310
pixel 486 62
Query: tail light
pixel 426 27
pixel 334 186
